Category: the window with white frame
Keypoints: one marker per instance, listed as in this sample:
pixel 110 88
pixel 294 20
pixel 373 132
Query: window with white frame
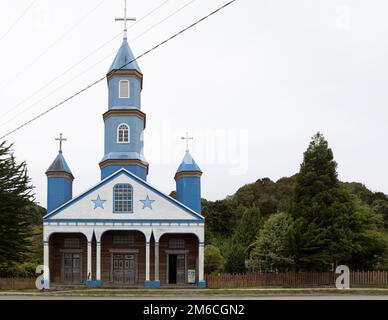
pixel 122 198
pixel 123 134
pixel 124 89
pixel 176 244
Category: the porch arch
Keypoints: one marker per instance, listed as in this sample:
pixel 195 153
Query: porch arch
pixel 67 257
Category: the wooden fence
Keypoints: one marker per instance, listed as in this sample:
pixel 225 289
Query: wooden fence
pixel 247 280
pixel 295 280
pixel 17 283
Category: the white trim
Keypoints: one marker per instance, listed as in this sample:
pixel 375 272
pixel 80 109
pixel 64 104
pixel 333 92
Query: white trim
pixel 129 88
pixel 129 133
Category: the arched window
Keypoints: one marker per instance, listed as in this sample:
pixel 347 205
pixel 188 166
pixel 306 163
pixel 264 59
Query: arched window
pixel 124 89
pixel 123 135
pixel 122 198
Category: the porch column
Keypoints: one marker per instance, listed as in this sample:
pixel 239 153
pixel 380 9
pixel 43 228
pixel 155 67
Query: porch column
pixel 98 261
pixel 201 254
pixel 147 262
pixel 46 263
pixel 157 263
pixel 89 272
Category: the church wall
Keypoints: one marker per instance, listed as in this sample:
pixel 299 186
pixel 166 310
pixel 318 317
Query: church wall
pixel 134 98
pixel 136 127
pixel 139 171
pixel 59 191
pixel 163 208
pixel 189 192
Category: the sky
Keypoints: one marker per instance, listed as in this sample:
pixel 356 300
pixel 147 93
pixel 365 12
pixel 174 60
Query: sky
pixel 251 84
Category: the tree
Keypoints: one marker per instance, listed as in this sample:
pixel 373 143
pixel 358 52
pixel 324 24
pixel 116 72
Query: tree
pixel 328 225
pixel 369 242
pixel 235 258
pixel 15 218
pixel 214 261
pixel 268 196
pixel 270 251
pixel 248 226
pixel 220 216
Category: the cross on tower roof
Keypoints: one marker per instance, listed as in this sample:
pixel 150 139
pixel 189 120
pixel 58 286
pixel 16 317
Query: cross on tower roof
pixel 60 139
pixel 125 19
pixel 187 138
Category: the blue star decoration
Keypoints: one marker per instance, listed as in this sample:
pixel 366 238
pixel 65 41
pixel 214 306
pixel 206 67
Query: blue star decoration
pixel 147 203
pixel 98 203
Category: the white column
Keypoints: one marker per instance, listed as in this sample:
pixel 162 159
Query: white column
pixel 156 261
pixel 89 272
pixel 201 258
pixel 98 261
pixel 147 261
pixel 46 263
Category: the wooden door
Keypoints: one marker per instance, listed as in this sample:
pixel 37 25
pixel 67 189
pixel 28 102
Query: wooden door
pixel 124 268
pixel 72 266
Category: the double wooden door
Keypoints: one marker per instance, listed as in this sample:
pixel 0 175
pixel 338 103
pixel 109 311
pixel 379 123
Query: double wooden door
pixel 124 268
pixel 72 268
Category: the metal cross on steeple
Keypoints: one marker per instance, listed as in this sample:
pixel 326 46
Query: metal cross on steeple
pixel 187 138
pixel 60 139
pixel 125 19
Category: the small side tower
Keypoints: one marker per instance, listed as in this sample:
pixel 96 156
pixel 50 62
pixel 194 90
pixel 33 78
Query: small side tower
pixel 188 183
pixel 59 181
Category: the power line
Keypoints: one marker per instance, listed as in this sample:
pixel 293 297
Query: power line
pixel 52 45
pixel 15 107
pixel 81 73
pixel 114 71
pixel 17 20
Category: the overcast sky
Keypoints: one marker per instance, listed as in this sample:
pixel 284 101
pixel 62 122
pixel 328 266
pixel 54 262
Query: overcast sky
pixel 251 84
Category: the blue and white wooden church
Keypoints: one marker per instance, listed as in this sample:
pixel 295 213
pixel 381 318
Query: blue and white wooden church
pixel 123 231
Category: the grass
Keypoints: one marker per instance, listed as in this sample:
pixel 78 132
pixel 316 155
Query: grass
pixel 251 292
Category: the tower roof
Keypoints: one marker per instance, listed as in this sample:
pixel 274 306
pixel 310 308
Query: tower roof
pixel 188 164
pixel 124 56
pixel 59 165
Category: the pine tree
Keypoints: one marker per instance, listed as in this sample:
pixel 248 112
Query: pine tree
pixel 323 211
pixel 15 219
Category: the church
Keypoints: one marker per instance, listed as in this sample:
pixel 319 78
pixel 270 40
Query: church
pixel 123 231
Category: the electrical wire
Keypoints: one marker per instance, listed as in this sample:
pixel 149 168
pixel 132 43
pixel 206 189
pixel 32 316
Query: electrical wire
pixel 114 71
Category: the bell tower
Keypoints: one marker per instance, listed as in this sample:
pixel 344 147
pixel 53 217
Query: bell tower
pixel 124 121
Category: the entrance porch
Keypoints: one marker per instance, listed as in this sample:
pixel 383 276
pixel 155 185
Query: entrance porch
pixel 124 258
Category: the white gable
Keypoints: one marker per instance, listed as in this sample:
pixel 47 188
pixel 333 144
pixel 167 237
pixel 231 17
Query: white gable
pixel 163 207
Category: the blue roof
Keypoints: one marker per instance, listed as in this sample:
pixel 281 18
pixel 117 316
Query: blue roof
pixel 188 164
pixel 59 165
pixel 124 56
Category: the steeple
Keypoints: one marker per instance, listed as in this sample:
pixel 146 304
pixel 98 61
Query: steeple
pixel 188 164
pixel 124 59
pixel 188 181
pixel 124 121
pixel 59 180
pixel 59 166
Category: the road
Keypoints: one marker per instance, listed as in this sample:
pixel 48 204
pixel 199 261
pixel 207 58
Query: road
pixel 301 297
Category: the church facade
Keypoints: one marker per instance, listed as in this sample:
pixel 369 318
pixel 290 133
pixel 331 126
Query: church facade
pixel 123 231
